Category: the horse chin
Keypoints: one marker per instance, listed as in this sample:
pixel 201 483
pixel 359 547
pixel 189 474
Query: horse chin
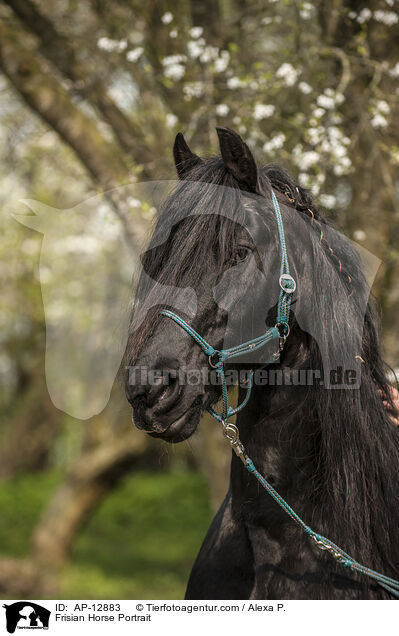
pixel 184 426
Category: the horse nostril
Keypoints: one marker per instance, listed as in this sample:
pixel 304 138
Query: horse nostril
pixel 158 391
pixel 162 397
pixel 135 393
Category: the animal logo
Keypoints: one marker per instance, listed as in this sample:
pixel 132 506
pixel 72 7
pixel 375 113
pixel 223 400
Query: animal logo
pixel 26 615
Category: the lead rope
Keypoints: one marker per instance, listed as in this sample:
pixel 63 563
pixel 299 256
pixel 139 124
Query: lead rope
pixel 217 360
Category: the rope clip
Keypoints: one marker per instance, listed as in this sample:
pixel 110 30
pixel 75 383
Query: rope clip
pixel 323 545
pixel 232 433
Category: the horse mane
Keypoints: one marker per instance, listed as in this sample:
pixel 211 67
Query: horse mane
pixel 356 457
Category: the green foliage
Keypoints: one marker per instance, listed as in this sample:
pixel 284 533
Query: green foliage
pixel 21 501
pixel 140 543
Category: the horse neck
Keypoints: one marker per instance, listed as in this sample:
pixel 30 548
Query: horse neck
pixel 279 432
pixel 341 481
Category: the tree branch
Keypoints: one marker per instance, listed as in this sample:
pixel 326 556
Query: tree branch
pixel 61 52
pixel 47 98
pixel 44 94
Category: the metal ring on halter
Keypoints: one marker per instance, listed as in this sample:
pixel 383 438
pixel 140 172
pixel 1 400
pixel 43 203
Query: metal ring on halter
pixel 290 280
pixel 286 329
pixel 211 364
pixel 231 432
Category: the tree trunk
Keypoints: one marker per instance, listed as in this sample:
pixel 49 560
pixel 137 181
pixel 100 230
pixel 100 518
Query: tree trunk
pixel 28 437
pixel 93 475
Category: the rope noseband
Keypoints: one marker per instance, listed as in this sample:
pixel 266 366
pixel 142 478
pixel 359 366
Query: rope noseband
pixel 217 360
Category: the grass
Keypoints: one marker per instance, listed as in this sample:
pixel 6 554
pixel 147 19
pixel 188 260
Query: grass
pixel 140 543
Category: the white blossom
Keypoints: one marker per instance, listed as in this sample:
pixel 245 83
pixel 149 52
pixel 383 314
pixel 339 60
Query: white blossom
pixel 383 107
pixel 339 151
pixel 263 111
pixel 222 62
pixel 315 134
pixel 342 167
pixel 222 110
pixel 325 146
pixel 173 59
pixel 336 119
pixel 175 71
pixel 394 72
pixel 329 143
pixel 210 53
pixel 388 18
pixel 328 201
pixel 364 15
pixel 109 45
pixel 235 82
pixel 304 179
pixel 379 121
pixel 167 17
pixel 288 73
pixel 359 235
pixel 174 67
pixel 305 88
pixel 134 54
pixel 171 120
pixel 306 10
pixel 173 34
pixel 318 112
pixel 297 150
pixel 195 47
pixel 196 32
pixel 309 158
pixel 325 102
pixel 193 89
pixel 275 143
pixel 336 134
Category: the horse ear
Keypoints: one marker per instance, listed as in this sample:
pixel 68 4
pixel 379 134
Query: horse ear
pixel 185 160
pixel 238 158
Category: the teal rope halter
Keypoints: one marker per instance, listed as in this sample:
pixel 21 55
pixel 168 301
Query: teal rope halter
pixel 217 360
pixel 280 331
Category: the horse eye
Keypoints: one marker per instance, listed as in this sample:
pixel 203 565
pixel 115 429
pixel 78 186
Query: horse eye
pixel 241 254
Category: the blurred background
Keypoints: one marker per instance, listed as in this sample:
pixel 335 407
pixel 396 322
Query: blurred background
pixel 92 94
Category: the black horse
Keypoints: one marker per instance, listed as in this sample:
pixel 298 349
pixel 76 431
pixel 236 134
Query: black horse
pixel 331 452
